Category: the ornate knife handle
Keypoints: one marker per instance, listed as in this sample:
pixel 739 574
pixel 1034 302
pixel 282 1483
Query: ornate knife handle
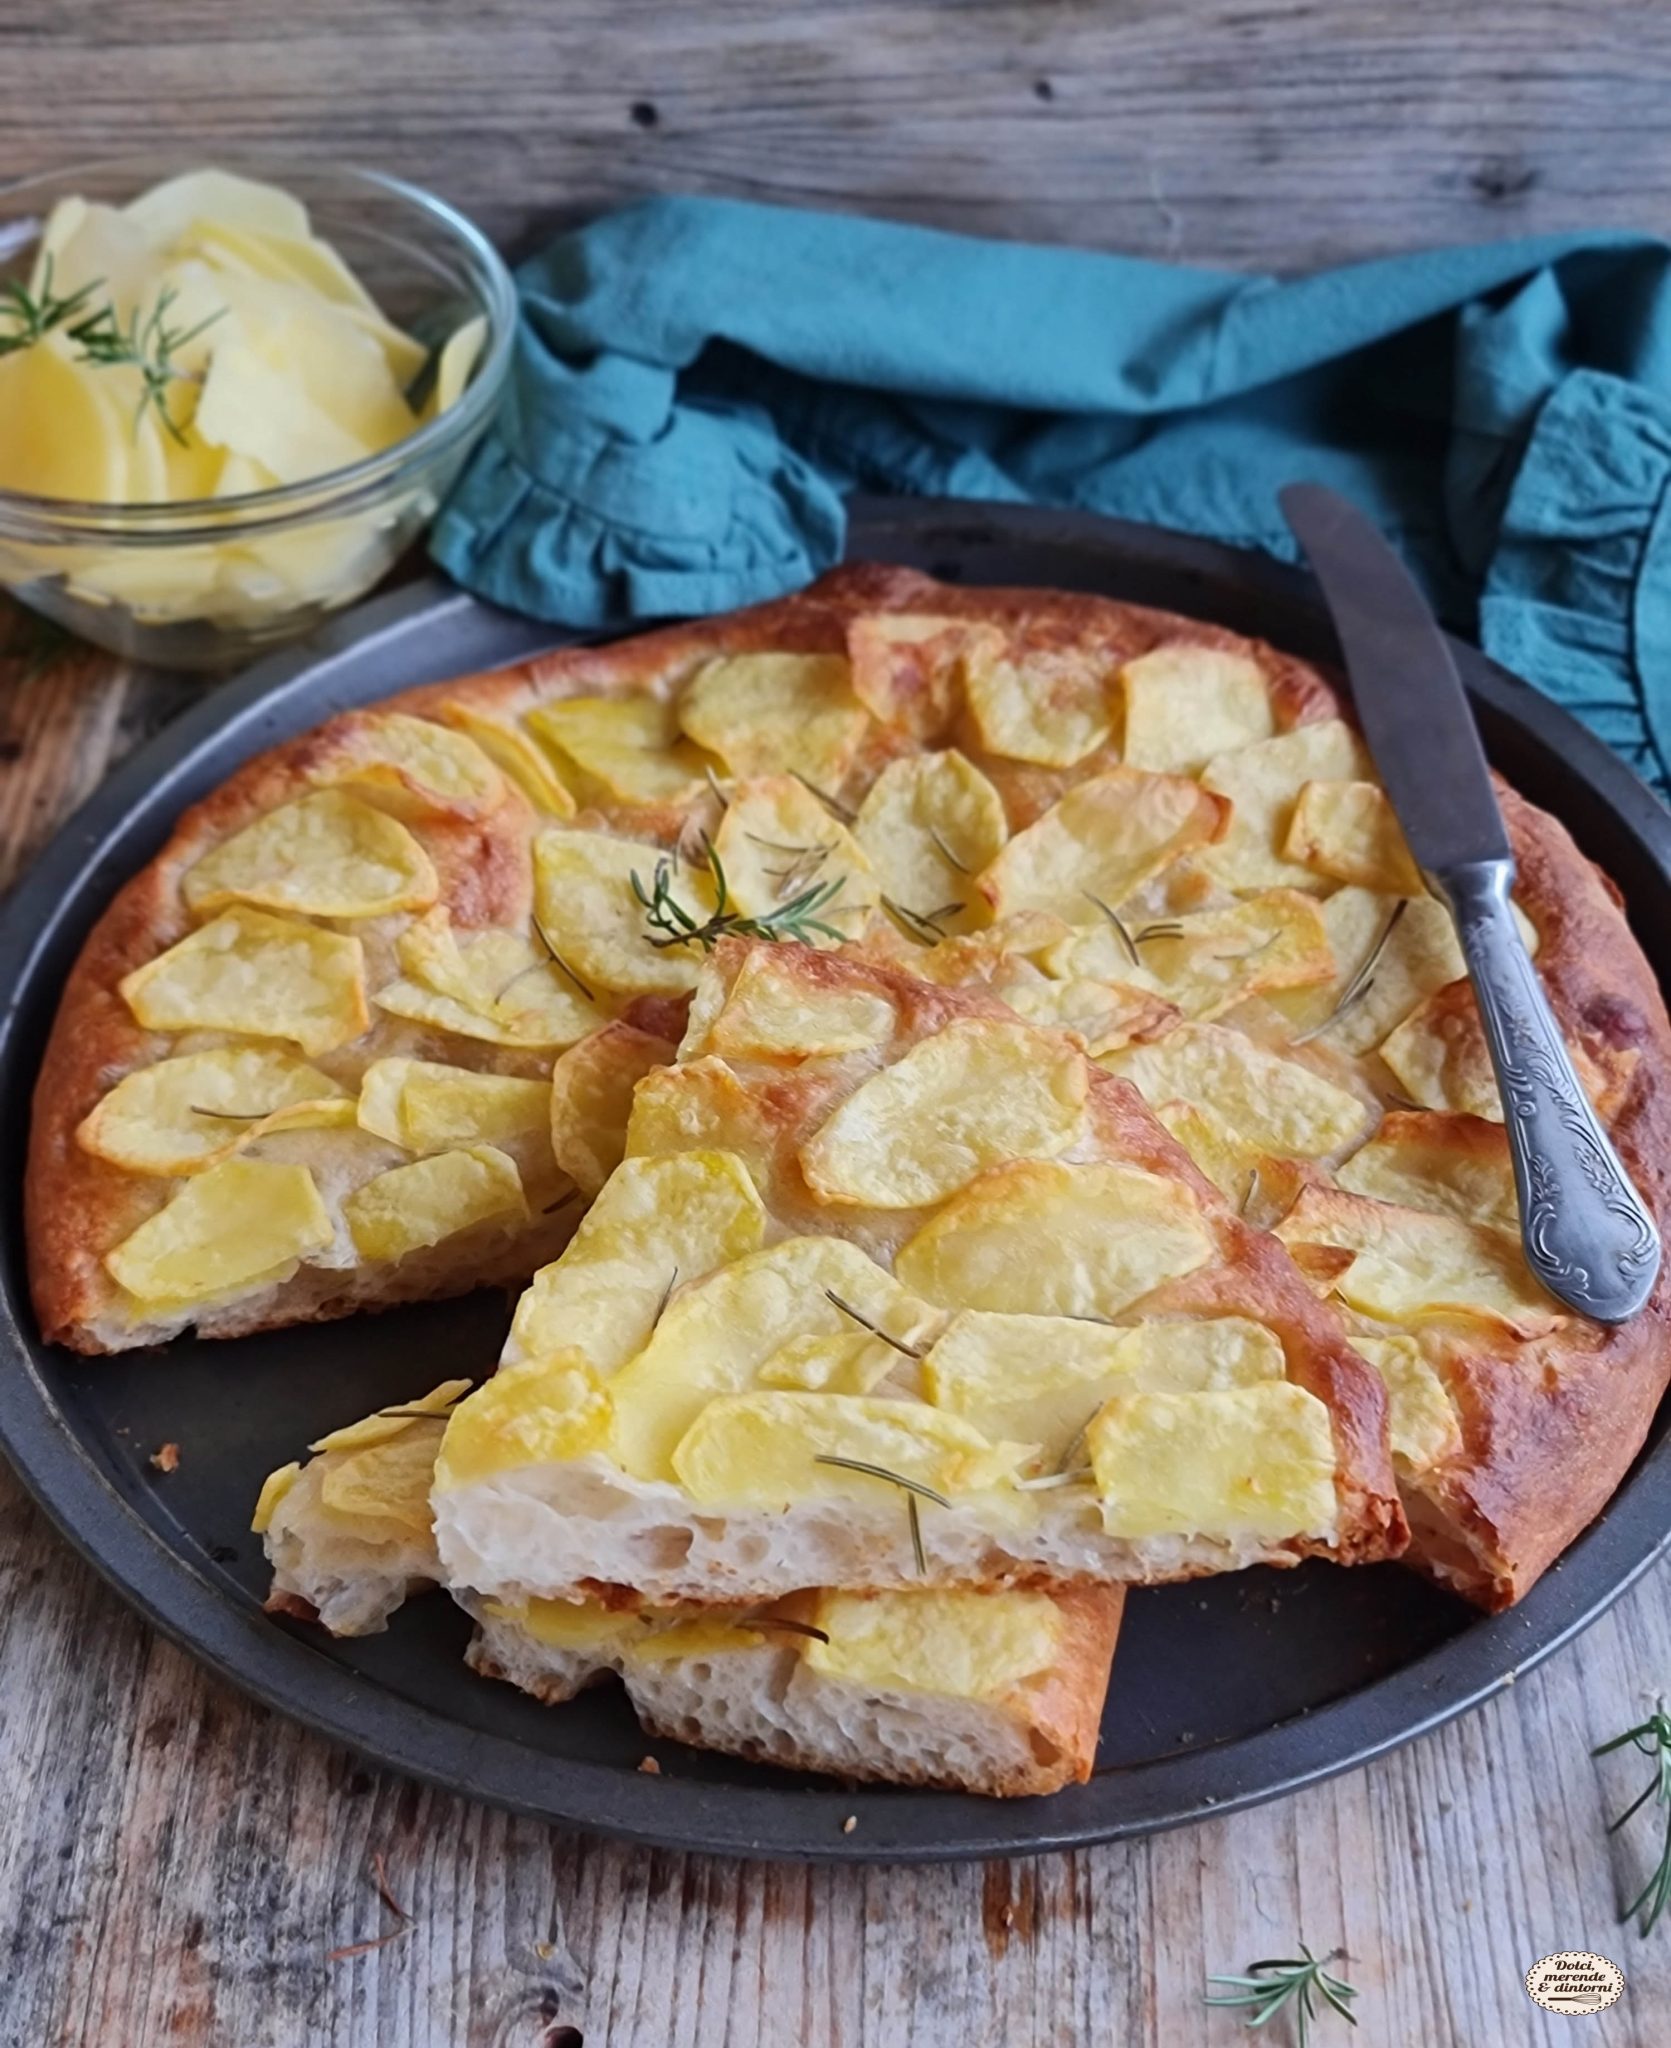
pixel 1588 1234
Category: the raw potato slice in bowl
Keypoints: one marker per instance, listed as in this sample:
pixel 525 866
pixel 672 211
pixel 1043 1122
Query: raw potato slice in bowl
pixel 969 1163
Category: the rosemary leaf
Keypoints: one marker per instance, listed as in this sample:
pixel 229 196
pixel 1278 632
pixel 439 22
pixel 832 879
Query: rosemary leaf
pixel 1117 925
pixel 946 853
pixel 896 1343
pixel 835 808
pixel 1361 983
pixel 911 1486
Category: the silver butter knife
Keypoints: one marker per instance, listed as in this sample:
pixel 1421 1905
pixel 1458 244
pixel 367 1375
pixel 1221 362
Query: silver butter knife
pixel 1588 1234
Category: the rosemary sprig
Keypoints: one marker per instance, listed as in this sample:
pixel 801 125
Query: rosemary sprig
pixel 231 1116
pixel 1049 1480
pixel 29 319
pixel 1118 926
pixel 562 1202
pixel 666 1297
pixel 921 925
pixel 946 853
pixel 1361 983
pixel 896 1343
pixel 148 346
pixel 792 1628
pixel 835 808
pixel 1252 1190
pixel 557 961
pixel 913 1490
pixel 674 925
pixel 1289 1983
pixel 1653 1738
pixel 1162 928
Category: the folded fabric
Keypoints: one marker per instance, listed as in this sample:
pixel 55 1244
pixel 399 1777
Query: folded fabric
pixel 699 382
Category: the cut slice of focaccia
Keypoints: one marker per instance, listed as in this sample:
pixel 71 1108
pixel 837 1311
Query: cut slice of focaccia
pixel 893 1288
pixel 999 1693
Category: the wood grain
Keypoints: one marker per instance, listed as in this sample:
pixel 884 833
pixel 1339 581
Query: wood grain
pixel 176 1865
pixel 1280 134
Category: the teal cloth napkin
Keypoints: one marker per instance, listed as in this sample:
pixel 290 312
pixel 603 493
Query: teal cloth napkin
pixel 698 382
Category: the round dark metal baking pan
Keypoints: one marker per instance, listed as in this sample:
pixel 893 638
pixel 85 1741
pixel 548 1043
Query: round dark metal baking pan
pixel 1225 1692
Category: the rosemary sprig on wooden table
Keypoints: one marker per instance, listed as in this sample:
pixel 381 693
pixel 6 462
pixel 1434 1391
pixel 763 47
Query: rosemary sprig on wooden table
pixel 672 925
pixel 1288 1984
pixel 1653 1738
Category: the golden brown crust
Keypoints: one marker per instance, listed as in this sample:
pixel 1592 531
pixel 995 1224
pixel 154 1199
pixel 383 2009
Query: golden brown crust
pixel 1549 1431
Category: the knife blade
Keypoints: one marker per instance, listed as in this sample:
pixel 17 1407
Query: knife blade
pixel 1588 1235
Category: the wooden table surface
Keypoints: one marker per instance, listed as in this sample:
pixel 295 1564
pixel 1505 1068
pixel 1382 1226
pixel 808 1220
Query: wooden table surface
pixel 176 1865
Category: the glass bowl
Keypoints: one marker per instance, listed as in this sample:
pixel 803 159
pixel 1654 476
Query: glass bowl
pixel 210 582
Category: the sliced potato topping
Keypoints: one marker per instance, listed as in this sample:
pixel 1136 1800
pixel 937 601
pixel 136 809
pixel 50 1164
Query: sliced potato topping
pixel 623 749
pixel 1350 832
pixel 185 1114
pixel 263 976
pixel 388 1482
pixel 1044 1377
pixel 591 1099
pixel 928 826
pixel 426 1106
pixel 1263 783
pixel 1105 1015
pixel 658 1224
pixel 1247 1462
pixel 909 668
pixel 1185 704
pixel 780 1006
pixel 762 1450
pixel 591 915
pixel 714 1336
pixel 494 985
pixel 950 1643
pixel 1421 1417
pixel 1389 953
pixel 411 1207
pixel 830 1363
pixel 243 1224
pixel 1208 961
pixel 531 1412
pixel 516 755
pixel 974 1095
pixel 777 842
pixel 776 714
pixel 271 1497
pixel 1049 705
pixel 1439 1057
pixel 389 1423
pixel 1454 1165
pixel 1228 1159
pixel 1279 1105
pixel 1046 1238
pixel 700 1105
pixel 1103 838
pixel 327 855
pixel 413 764
pixel 1406 1264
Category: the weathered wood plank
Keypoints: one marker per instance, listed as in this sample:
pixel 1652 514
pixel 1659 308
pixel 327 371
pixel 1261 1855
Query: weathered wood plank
pixel 1282 134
